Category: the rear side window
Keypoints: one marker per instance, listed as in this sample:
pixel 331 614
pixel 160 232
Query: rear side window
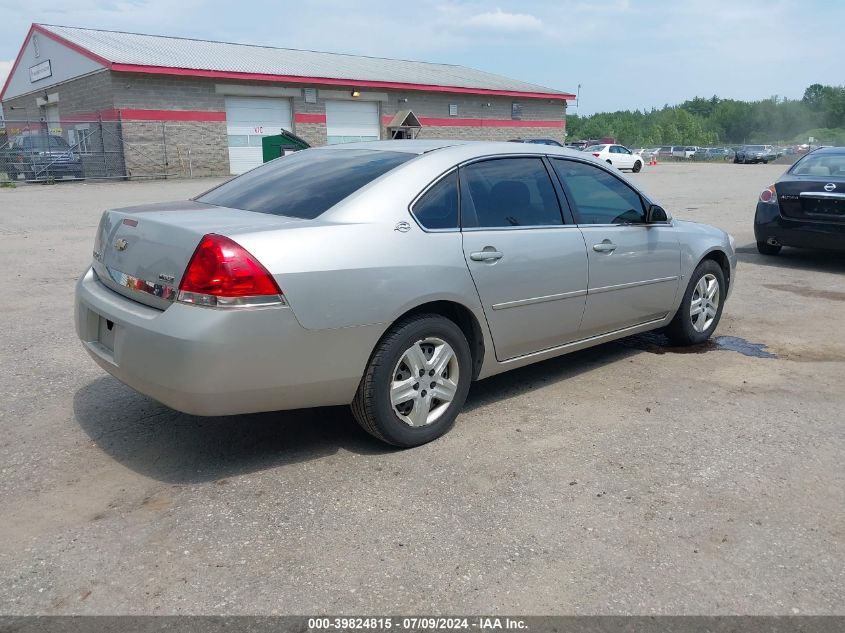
pixel 304 184
pixel 598 196
pixel 821 165
pixel 438 207
pixel 508 192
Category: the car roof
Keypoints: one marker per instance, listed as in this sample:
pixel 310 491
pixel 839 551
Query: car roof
pixel 467 149
pixel 829 150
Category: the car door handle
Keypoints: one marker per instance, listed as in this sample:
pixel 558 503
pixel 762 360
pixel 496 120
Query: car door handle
pixel 604 247
pixel 485 256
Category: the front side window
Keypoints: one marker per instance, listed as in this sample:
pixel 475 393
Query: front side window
pixel 304 184
pixel 508 192
pixel 598 196
pixel 438 207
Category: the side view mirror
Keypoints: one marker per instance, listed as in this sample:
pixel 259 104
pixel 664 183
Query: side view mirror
pixel 656 215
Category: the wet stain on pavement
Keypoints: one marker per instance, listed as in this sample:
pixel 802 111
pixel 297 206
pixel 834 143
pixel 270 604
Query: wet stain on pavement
pixel 832 295
pixel 659 344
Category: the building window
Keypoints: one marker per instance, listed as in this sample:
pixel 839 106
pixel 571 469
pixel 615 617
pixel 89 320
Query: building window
pixel 453 109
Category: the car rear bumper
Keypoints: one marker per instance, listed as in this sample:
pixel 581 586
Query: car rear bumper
pixel 206 361
pixel 770 225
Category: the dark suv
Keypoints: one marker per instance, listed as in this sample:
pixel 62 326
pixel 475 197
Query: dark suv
pixel 42 156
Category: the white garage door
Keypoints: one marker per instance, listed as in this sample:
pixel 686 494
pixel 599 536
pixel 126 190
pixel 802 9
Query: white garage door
pixel 350 121
pixel 248 119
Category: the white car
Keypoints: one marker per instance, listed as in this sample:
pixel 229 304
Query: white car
pixel 684 151
pixel 617 155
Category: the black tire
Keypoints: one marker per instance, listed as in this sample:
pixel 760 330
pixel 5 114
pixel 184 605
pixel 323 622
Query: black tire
pixel 765 248
pixel 765 162
pixel 637 167
pixel 681 330
pixel 372 407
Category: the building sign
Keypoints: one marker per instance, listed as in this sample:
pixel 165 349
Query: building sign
pixel 516 110
pixel 310 95
pixel 40 71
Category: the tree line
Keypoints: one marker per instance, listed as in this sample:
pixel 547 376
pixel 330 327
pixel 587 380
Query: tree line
pixel 820 113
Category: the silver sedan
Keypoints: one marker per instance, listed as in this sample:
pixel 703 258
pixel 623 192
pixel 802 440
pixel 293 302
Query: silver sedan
pixel 389 275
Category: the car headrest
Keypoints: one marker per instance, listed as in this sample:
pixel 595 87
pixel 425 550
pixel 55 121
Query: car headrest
pixel 510 194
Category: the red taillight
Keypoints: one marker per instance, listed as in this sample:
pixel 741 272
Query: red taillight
pixel 768 194
pixel 221 270
pixel 595 154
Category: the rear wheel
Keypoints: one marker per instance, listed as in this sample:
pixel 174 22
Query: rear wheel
pixel 764 248
pixel 637 167
pixel 701 306
pixel 416 381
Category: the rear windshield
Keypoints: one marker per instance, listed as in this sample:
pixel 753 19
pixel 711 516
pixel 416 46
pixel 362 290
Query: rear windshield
pixel 304 184
pixel 45 142
pixel 821 165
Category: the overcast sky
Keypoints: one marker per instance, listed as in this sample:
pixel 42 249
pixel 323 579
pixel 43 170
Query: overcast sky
pixel 625 53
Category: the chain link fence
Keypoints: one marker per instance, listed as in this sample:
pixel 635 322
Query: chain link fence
pixel 111 149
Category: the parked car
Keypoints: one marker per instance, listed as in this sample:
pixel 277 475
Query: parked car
pixel 357 274
pixel 718 153
pixel 617 155
pixel 42 156
pixel 579 145
pixel 683 151
pixel 537 141
pixel 806 206
pixel 646 153
pixel 755 154
pixel 665 151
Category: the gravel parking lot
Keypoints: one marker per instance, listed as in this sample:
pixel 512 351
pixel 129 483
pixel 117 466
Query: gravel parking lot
pixel 630 478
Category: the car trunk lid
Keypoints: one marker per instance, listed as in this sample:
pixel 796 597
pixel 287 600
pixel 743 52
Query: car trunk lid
pixel 142 252
pixel 812 198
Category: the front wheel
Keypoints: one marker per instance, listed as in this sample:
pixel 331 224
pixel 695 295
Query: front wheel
pixel 416 381
pixel 701 306
pixel 637 167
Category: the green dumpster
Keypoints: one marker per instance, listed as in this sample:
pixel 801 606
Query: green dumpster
pixel 281 145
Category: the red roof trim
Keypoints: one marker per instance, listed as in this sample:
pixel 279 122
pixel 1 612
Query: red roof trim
pixel 329 81
pixel 17 61
pixel 36 28
pixel 74 47
pixel 220 74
